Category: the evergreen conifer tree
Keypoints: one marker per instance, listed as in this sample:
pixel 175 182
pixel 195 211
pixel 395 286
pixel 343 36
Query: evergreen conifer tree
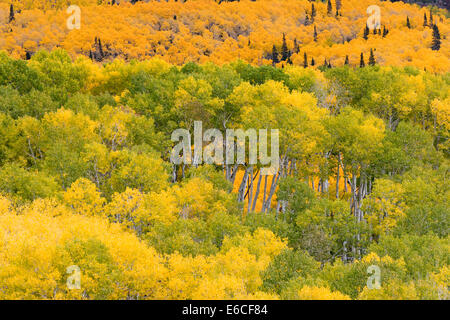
pixel 296 46
pixel 371 58
pixel 11 13
pixel 100 49
pixel 366 32
pixel 274 55
pixel 313 12
pixel 284 50
pixel 436 42
pixel 307 21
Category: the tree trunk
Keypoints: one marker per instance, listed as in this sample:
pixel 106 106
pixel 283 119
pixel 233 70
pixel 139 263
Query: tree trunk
pixel 257 192
pixel 250 194
pixel 272 191
pixel 344 255
pixel 353 190
pixel 337 176
pixel 345 177
pixel 174 173
pixel 265 193
pixel 233 174
pixel 242 186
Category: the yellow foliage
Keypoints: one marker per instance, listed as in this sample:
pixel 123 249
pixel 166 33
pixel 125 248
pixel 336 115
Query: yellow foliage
pixel 84 198
pixel 320 293
pixel 196 198
pixel 233 273
pixel 384 206
pixel 36 249
pixel 138 211
pixel 5 205
pixel 39 244
pixel 393 290
pixel 262 243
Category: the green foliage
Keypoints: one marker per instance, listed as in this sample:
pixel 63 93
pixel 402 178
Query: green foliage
pixel 297 194
pixel 406 147
pixel 269 221
pixel 364 181
pixel 18 75
pixel 59 76
pixel 286 266
pixel 26 184
pixel 422 254
pixel 209 173
pixel 8 139
pixel 98 271
pixel 191 237
pixel 423 219
pixel 34 103
pixel 259 75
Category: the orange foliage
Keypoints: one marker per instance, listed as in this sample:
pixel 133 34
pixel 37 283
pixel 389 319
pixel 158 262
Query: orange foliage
pixel 203 30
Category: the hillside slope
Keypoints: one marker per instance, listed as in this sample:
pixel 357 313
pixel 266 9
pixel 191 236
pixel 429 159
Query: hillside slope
pixel 204 30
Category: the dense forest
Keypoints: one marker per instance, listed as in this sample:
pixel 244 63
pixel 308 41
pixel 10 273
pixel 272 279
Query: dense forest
pixel 259 32
pixel 86 118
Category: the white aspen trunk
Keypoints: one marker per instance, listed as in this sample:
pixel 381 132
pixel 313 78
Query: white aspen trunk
pixel 353 190
pixel 325 183
pixel 272 191
pixel 278 209
pixel 337 176
pixel 250 193
pixel 258 186
pixel 226 166
pixel 344 255
pixel 325 186
pixel 242 186
pixel 291 167
pixel 174 173
pixel 264 195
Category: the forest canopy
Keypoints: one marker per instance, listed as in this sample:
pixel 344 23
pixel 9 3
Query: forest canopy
pixel 86 181
pixel 221 31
